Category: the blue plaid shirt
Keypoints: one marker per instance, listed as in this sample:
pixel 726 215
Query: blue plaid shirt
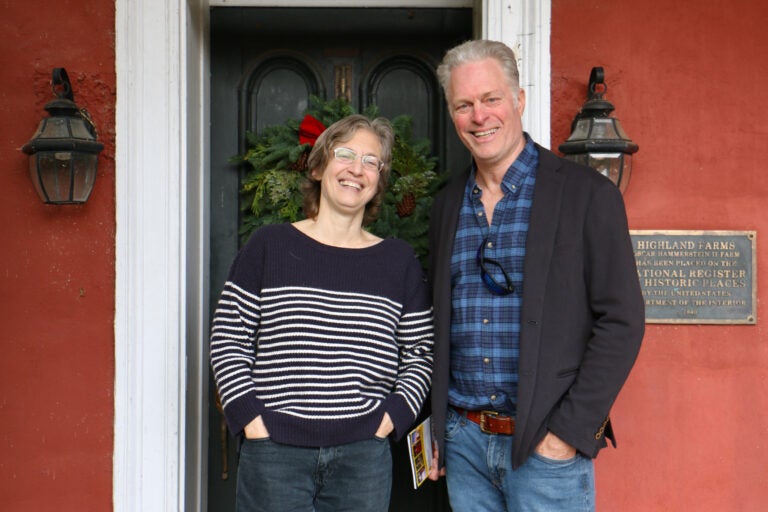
pixel 485 329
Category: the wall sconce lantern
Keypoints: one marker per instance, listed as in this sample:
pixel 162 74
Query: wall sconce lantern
pixel 597 140
pixel 63 153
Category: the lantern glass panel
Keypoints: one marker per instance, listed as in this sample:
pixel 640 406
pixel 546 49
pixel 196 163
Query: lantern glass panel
pixel 80 129
pixel 603 129
pixel 34 162
pixel 581 130
pixel 55 174
pixel 54 128
pixel 626 170
pixel 84 175
pixel 615 166
pixel 63 176
pixel 607 164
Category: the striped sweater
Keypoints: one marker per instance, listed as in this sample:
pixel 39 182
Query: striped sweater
pixel 322 341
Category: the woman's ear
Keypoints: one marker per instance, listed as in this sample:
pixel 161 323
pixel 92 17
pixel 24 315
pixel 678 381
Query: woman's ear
pixel 316 175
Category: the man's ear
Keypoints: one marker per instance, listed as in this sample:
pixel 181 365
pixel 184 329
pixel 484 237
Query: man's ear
pixel 521 102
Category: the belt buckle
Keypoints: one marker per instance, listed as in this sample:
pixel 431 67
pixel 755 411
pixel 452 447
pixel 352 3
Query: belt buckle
pixel 483 416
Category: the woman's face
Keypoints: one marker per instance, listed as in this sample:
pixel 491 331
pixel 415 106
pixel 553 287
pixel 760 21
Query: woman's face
pixel 350 180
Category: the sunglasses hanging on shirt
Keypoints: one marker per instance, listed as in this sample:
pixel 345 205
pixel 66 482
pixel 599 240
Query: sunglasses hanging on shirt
pixel 493 286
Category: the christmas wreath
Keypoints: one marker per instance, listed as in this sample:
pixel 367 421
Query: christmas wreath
pixel 276 163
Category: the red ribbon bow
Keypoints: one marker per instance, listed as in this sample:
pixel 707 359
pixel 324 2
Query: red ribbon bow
pixel 309 130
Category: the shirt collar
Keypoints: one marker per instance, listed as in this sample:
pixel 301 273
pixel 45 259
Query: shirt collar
pixel 524 165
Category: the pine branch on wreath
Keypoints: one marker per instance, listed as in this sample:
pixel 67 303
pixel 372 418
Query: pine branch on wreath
pixel 275 164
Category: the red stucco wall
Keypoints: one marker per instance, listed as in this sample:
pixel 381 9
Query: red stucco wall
pixel 688 81
pixel 57 266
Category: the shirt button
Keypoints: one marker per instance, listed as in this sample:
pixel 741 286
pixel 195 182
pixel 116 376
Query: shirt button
pixel 476 191
pixel 489 245
pixel 479 214
pixel 486 321
pixel 486 360
pixel 493 397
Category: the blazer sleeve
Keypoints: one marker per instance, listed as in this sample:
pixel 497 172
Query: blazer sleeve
pixel 615 304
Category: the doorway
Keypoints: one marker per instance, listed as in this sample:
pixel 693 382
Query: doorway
pixel 265 64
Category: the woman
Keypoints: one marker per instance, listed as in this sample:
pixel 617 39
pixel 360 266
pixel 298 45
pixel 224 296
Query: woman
pixel 321 343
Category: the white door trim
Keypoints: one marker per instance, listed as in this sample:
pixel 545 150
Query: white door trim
pixel 161 255
pixel 161 260
pixel 524 25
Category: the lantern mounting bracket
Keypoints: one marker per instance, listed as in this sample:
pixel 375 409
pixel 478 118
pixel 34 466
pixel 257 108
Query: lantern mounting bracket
pixel 61 85
pixel 597 77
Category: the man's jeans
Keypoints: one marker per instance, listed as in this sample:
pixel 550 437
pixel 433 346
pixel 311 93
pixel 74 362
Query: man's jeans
pixel 355 477
pixel 480 478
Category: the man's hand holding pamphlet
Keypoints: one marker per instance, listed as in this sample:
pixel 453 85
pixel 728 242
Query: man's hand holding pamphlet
pixel 420 451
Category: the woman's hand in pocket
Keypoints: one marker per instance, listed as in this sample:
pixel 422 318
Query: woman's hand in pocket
pixel 256 429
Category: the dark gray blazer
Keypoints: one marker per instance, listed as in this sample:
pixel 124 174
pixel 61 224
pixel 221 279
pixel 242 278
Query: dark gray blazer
pixel 583 315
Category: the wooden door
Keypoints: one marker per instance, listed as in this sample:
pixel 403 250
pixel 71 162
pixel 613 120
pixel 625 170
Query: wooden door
pixel 265 63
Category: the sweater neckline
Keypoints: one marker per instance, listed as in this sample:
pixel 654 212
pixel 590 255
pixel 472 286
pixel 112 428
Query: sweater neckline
pixel 303 237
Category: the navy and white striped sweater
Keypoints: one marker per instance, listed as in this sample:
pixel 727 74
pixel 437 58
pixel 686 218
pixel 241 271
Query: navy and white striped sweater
pixel 322 340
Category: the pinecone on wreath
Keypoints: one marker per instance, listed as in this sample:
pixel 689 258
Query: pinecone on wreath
pixel 300 164
pixel 412 174
pixel 406 206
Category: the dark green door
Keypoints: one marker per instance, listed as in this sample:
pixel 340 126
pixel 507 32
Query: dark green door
pixel 265 63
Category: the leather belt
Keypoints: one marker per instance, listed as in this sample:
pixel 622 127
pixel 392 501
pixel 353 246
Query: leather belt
pixel 490 422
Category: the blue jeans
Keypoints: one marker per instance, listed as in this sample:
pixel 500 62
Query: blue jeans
pixel 354 477
pixel 480 477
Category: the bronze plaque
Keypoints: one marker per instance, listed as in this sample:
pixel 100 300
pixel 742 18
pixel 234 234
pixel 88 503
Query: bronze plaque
pixel 697 277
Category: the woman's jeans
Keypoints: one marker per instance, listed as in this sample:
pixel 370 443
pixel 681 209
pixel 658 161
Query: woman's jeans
pixel 354 477
pixel 480 478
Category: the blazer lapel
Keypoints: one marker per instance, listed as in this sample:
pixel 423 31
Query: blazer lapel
pixel 545 212
pixel 448 216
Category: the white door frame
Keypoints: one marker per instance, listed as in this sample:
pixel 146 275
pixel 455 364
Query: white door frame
pixel 161 372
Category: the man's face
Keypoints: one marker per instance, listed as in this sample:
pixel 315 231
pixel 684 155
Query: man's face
pixel 486 115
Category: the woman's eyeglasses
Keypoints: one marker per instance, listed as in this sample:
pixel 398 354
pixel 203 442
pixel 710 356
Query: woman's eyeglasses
pixel 348 156
pixel 490 283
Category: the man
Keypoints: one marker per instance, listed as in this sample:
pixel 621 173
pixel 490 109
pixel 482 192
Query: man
pixel 538 309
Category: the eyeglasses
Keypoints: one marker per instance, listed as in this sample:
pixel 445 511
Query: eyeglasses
pixel 490 283
pixel 348 156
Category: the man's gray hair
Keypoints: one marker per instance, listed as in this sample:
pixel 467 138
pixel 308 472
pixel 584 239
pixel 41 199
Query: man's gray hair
pixel 473 51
